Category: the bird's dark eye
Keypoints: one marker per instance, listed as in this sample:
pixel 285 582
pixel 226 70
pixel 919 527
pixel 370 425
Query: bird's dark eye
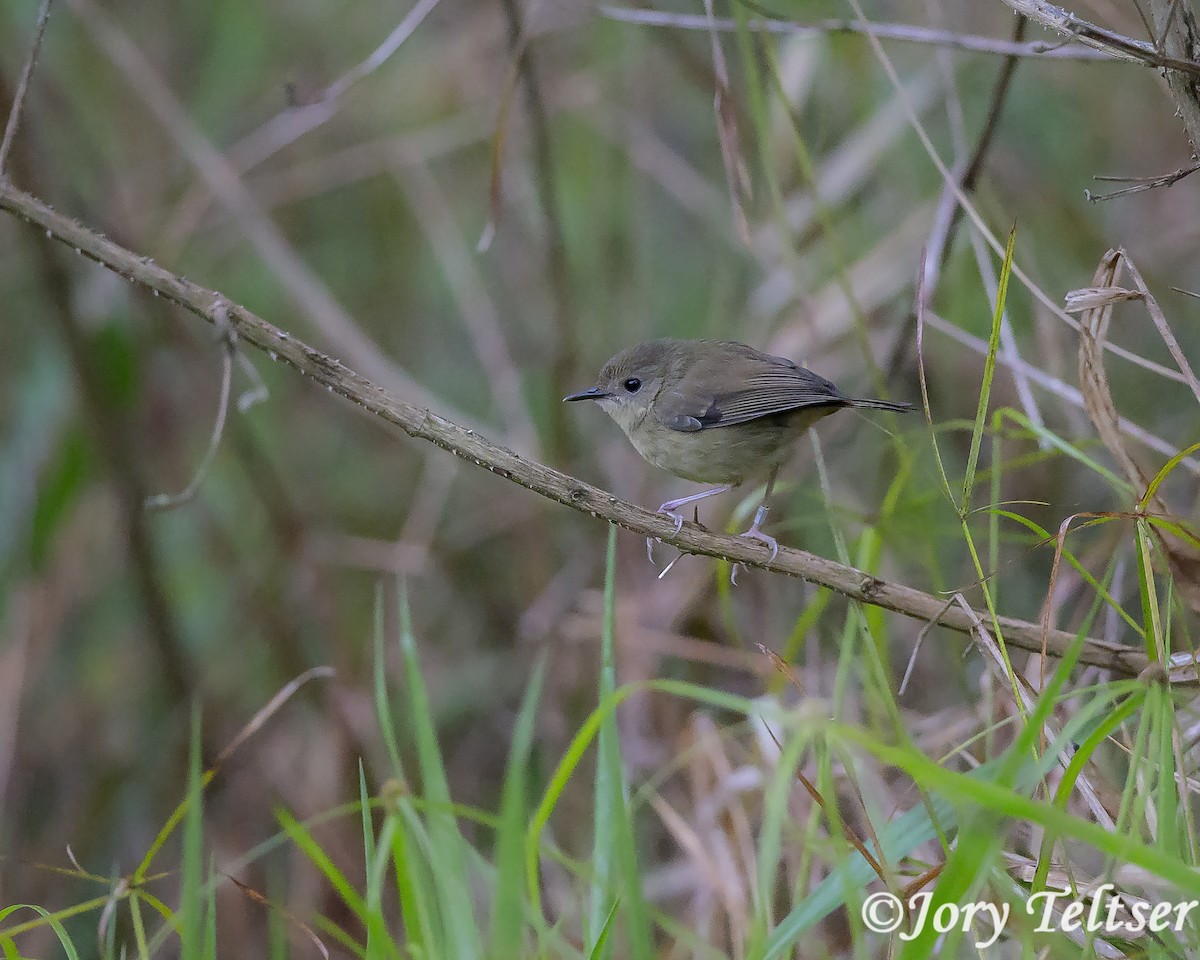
pixel 633 384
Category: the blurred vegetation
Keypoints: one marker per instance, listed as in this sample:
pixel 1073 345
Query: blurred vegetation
pixel 614 222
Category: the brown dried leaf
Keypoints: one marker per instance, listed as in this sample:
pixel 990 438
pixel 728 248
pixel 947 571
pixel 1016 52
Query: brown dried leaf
pixel 1093 381
pixel 1183 559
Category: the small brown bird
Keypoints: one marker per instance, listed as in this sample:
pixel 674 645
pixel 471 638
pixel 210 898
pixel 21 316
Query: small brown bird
pixel 715 411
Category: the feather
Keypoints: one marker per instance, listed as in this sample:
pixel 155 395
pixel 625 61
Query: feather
pixel 736 383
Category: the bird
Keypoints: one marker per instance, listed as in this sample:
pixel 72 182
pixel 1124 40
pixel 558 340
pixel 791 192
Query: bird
pixel 716 412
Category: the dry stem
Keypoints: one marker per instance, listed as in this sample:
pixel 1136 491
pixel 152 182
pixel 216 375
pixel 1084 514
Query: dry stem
pixel 466 443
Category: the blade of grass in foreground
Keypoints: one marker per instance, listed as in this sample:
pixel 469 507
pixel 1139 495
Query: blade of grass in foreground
pixel 10 948
pixel 414 884
pixel 608 801
pixel 461 932
pixel 907 832
pixel 191 901
pixel 376 857
pixel 383 709
pixel 613 853
pixel 600 949
pixel 508 906
pixel 583 740
pixel 967 867
pixel 989 373
pixel 403 828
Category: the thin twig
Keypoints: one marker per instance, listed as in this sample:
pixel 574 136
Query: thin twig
pixel 469 291
pixel 950 217
pixel 977 219
pixel 885 31
pixel 1161 325
pixel 168 501
pixel 263 901
pixel 255 723
pixel 463 442
pixel 1060 388
pixel 917 644
pixel 784 668
pixel 1138 184
pixel 14 115
pixel 289 125
pixel 311 296
pixel 258 392
pixel 737 174
pixel 562 363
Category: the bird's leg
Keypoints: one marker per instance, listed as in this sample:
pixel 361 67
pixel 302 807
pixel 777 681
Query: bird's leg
pixel 671 509
pixel 755 532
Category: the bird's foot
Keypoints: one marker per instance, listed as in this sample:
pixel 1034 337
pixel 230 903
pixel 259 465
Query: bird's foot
pixel 666 509
pixel 671 509
pixel 755 533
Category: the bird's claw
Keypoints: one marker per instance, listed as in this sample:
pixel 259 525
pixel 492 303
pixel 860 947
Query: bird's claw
pixel 677 517
pixel 754 533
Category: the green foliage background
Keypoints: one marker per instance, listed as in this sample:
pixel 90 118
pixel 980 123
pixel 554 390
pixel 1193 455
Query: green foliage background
pixel 108 395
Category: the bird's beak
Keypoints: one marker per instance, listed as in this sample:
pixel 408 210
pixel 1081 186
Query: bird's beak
pixel 593 393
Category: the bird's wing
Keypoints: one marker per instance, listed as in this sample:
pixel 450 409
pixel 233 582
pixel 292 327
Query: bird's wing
pixel 740 384
pixel 686 411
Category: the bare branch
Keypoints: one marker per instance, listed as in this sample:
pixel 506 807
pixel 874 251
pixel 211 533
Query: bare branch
pixel 885 31
pixel 1138 184
pixel 547 482
pixel 1100 38
pixel 14 115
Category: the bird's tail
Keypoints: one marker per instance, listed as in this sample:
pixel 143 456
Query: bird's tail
pixel 882 405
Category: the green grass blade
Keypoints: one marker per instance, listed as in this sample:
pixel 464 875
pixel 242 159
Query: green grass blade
pixel 463 938
pixel 613 851
pixel 908 831
pixel 383 709
pixel 509 903
pixel 989 372
pixel 52 920
pixel 368 828
pixel 414 885
pixel 600 948
pixel 608 800
pixel 191 905
pixel 303 839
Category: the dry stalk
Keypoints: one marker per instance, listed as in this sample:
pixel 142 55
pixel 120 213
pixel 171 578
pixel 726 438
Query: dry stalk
pixel 466 443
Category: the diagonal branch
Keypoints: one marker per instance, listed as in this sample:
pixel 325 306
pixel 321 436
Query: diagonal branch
pixel 14 114
pixel 1118 45
pixel 547 482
